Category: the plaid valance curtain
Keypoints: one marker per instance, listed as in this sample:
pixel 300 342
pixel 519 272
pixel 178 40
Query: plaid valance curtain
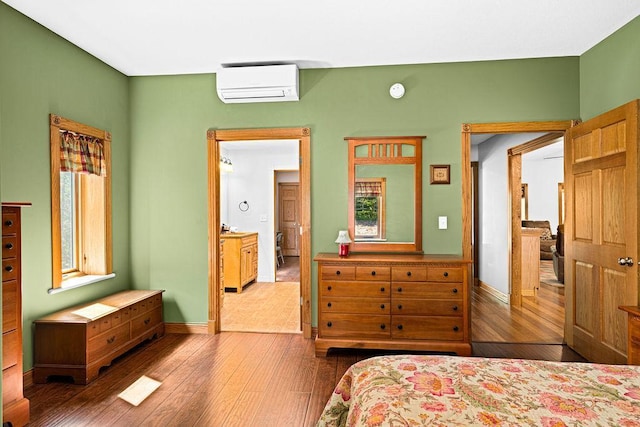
pixel 81 154
pixel 368 189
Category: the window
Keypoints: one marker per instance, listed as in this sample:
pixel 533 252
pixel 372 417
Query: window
pixel 80 201
pixel 369 208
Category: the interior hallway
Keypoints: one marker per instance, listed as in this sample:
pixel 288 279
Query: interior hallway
pixel 539 320
pixel 266 306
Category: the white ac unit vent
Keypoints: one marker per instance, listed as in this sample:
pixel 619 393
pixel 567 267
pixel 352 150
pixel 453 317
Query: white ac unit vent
pixel 262 83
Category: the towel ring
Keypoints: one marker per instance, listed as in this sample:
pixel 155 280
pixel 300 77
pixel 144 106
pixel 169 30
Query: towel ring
pixel 243 206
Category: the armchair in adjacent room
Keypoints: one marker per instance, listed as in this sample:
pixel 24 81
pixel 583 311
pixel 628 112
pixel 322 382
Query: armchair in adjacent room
pixel 558 254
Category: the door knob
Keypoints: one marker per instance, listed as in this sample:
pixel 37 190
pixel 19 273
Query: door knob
pixel 628 261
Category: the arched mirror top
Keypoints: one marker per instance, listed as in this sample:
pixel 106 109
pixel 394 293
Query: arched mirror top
pixel 385 194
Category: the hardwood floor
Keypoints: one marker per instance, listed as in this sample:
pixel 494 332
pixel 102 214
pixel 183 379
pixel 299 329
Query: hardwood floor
pixel 229 379
pixel 539 320
pixel 258 379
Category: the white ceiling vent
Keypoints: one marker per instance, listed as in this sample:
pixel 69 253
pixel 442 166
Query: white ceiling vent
pixel 263 83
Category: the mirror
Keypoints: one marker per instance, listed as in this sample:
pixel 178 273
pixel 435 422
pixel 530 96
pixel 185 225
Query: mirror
pixel 385 194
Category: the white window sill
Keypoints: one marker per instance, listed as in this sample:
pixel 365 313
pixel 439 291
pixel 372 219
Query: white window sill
pixel 77 282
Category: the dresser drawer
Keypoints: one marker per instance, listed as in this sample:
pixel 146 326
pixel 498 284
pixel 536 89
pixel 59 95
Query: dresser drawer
pixel 337 272
pixel 9 305
pixel 354 289
pixel 10 247
pixel 249 241
pixel 437 328
pixel 10 349
pixel 444 274
pixel 427 290
pixel 426 307
pixel 358 325
pixel 356 305
pixel 145 322
pixel 10 224
pixel 373 273
pixel 10 268
pixel 107 342
pixel 409 273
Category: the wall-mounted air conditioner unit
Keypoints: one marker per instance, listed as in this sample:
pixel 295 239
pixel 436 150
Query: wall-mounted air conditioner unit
pixel 262 83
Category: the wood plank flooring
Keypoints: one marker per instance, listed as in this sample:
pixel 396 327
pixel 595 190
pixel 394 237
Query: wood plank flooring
pixel 230 379
pixel 539 320
pixel 258 379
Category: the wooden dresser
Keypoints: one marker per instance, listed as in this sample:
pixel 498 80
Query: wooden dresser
pixel 240 259
pixel 78 341
pixel 15 408
pixel 398 302
pixel 633 334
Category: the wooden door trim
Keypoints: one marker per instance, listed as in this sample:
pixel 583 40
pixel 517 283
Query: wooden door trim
pixel 214 137
pixel 498 128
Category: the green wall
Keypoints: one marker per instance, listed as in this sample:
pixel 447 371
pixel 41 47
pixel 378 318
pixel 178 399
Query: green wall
pixel 40 73
pixel 610 72
pixel 171 114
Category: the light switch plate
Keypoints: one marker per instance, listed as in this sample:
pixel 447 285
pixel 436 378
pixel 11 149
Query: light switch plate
pixel 442 222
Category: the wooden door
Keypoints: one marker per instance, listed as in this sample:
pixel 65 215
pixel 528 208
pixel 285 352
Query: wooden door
pixel 289 218
pixel 601 232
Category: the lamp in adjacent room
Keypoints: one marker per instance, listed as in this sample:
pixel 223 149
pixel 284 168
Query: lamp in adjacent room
pixel 343 241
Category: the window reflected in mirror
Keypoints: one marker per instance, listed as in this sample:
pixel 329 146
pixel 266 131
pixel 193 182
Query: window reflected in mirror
pixel 370 197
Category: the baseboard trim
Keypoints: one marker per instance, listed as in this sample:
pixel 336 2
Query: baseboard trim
pixel 27 378
pixel 186 328
pixel 314 332
pixel 493 291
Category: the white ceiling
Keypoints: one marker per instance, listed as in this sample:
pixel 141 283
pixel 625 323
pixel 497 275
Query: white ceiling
pixel 156 37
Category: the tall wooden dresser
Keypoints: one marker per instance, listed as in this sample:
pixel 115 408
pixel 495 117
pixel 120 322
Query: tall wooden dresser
pixel 14 405
pixel 397 302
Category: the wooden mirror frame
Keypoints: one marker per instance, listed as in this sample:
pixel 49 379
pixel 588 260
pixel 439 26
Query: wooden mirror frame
pixel 387 150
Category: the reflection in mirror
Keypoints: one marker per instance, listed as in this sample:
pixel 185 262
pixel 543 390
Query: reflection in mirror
pixel 385 194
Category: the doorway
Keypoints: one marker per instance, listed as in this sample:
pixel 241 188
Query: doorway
pixel 512 298
pixel 214 138
pixel 287 223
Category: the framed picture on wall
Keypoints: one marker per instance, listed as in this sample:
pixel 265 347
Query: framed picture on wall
pixel 440 174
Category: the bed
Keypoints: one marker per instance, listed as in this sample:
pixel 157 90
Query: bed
pixel 464 391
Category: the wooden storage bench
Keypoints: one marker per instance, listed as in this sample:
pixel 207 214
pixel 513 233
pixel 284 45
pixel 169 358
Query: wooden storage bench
pixel 78 341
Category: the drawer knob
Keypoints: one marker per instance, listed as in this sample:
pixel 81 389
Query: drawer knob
pixel 383 326
pixel 399 289
pixel 446 274
pixel 338 273
pixel 455 328
pixel 328 304
pixel 111 340
pixel 400 327
pixel 8 223
pixel 382 306
pixel 455 290
pixel 373 273
pixel 455 308
pixel 399 306
pixel 9 268
pixel 408 273
pixel 329 324
pixel 382 289
pixel 328 288
pixel 147 320
pixel 9 246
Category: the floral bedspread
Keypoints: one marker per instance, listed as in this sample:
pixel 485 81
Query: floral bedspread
pixel 464 391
